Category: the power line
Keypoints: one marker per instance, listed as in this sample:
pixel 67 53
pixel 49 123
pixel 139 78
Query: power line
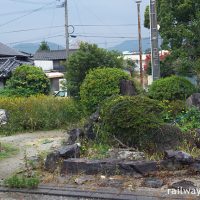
pixel 22 11
pixel 102 36
pixel 20 17
pixel 36 39
pixel 28 2
pixel 31 29
pixel 60 26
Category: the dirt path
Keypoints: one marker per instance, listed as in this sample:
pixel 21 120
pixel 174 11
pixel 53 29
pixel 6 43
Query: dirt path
pixel 32 144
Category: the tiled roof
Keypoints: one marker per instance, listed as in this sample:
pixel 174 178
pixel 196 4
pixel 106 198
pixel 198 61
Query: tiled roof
pixel 7 51
pixel 52 55
pixel 7 65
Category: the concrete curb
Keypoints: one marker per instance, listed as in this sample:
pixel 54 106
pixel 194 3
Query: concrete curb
pixel 100 193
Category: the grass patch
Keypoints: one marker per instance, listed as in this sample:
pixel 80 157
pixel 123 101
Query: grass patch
pixel 22 182
pixel 7 150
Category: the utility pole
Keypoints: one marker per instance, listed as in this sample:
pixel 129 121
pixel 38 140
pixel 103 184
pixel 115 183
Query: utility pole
pixel 140 41
pixel 155 61
pixel 66 29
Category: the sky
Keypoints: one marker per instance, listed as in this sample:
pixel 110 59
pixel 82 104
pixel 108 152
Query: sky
pixel 113 21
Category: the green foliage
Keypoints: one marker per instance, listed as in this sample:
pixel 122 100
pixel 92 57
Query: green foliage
pixel 7 150
pixel 88 57
pixel 171 88
pixel 166 68
pixel 30 78
pixel 20 92
pixel 94 150
pixel 133 120
pixel 44 46
pixel 39 113
pixel 22 182
pixel 179 28
pixel 189 120
pixel 99 84
pixel 146 18
pixel 172 109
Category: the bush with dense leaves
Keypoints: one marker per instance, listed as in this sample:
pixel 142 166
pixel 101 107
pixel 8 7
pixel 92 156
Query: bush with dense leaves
pixel 133 120
pixel 29 78
pixel 20 92
pixel 99 84
pixel 88 57
pixel 39 113
pixel 171 88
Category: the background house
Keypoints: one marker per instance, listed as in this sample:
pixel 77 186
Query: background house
pixel 52 63
pixel 10 59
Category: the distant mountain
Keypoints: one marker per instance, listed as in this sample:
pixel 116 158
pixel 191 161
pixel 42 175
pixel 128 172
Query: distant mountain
pixel 33 47
pixel 132 45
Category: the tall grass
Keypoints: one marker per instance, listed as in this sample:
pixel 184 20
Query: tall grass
pixel 39 113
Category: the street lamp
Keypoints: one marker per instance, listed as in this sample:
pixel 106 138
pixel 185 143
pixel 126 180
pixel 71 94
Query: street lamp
pixel 140 40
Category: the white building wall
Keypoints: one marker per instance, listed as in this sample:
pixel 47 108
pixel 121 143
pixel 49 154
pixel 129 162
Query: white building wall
pixel 46 65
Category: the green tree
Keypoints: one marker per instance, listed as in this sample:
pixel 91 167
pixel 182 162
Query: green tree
pixel 179 28
pixel 89 56
pixel 44 46
pixel 30 78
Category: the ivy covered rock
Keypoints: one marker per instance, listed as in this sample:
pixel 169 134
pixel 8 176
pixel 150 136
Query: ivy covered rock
pixel 132 120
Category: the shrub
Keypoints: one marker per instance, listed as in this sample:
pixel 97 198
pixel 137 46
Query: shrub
pixel 133 120
pixel 88 57
pixel 39 113
pixel 20 92
pixel 100 84
pixel 31 78
pixel 171 88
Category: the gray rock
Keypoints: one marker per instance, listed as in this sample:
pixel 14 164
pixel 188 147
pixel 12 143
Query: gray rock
pixel 89 131
pixel 3 117
pixel 70 151
pixel 52 161
pixel 170 164
pixel 127 88
pixel 126 154
pixel 74 136
pixel 95 116
pixel 195 167
pixel 107 167
pixel 194 100
pixel 153 183
pixel 183 185
pixel 179 156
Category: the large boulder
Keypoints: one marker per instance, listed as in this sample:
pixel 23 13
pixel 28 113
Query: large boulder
pixel 194 100
pixel 127 88
pixel 3 117
pixel 70 151
pixel 108 167
pixel 179 156
pixel 52 161
pixel 74 136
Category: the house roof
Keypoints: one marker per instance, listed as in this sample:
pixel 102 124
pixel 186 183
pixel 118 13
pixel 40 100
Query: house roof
pixel 8 64
pixel 8 51
pixel 52 55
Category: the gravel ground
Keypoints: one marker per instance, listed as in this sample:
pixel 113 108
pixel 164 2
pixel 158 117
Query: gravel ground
pixel 32 144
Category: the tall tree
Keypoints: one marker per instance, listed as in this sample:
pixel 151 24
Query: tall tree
pixel 44 46
pixel 89 56
pixel 179 28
